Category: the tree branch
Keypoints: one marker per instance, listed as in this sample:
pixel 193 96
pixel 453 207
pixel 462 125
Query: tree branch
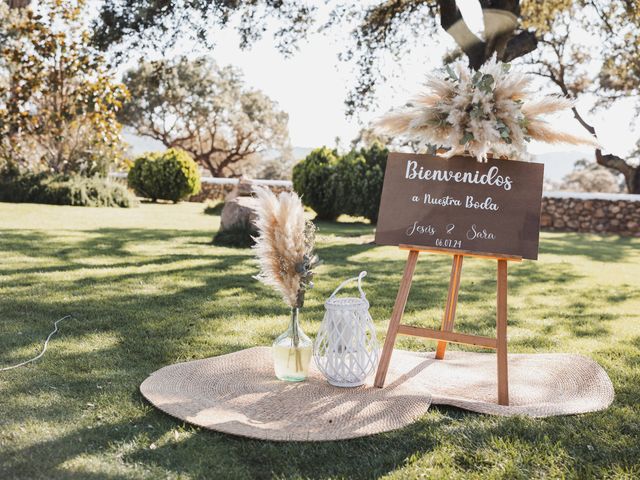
pixel 518 46
pixel 589 128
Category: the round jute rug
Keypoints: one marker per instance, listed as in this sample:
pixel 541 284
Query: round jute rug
pixel 239 394
pixel 540 384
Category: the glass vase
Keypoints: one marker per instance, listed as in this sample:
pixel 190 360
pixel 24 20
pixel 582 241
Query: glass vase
pixel 292 352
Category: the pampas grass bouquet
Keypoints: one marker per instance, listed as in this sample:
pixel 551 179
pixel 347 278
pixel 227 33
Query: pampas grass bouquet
pixel 285 251
pixel 492 111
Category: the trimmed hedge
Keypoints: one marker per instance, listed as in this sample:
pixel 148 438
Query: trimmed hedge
pixel 314 179
pixel 365 200
pixel 170 175
pixel 64 190
pixel 352 184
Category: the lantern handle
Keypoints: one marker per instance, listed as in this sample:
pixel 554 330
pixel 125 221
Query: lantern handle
pixel 358 278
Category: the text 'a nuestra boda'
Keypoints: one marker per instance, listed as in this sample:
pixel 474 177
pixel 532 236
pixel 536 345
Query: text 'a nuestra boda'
pixel 449 201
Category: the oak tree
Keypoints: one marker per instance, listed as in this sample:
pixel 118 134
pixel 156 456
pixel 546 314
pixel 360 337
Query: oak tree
pixel 58 100
pixel 206 110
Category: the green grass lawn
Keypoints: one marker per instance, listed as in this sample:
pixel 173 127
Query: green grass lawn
pixel 147 289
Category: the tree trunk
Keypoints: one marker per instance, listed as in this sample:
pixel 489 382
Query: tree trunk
pixel 634 187
pixel 631 173
pixel 634 184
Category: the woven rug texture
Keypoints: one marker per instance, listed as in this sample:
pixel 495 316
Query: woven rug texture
pixel 239 394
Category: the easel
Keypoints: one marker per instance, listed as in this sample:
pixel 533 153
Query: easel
pixel 446 333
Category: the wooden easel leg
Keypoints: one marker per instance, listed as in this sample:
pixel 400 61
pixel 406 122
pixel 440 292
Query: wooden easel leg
pixel 501 328
pixel 396 316
pixel 452 301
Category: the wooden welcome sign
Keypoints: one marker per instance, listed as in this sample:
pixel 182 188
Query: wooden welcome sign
pixel 463 208
pixel 461 204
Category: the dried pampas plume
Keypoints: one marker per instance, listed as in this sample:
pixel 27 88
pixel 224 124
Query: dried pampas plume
pixel 284 245
pixel 483 112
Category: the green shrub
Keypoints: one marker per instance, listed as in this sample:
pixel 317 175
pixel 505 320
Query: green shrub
pixel 95 192
pixel 170 175
pixel 367 197
pixel 351 184
pixel 64 190
pixel 314 179
pixel 350 171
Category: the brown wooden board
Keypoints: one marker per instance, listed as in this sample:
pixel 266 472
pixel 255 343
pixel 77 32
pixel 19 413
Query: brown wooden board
pixel 461 204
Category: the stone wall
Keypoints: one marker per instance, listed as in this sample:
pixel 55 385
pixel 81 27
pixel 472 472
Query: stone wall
pixel 217 191
pixel 591 212
pixel 210 191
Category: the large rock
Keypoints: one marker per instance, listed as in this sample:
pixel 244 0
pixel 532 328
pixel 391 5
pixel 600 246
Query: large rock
pixel 239 212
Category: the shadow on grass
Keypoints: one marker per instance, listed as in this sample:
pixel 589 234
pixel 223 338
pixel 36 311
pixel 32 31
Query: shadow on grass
pixel 217 271
pixel 470 441
pixel 183 300
pixel 602 248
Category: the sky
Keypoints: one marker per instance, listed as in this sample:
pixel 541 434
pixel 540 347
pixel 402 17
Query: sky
pixel 312 85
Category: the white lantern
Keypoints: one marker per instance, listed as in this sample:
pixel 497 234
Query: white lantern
pixel 346 349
